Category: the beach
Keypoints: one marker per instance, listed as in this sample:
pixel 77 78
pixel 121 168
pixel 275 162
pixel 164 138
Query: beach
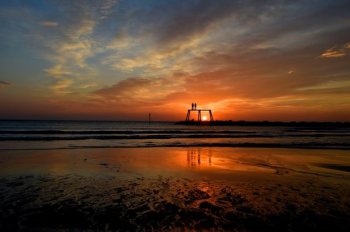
pixel 175 189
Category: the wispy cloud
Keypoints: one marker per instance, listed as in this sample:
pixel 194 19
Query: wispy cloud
pixel 4 84
pixel 106 7
pixel 62 85
pixel 49 23
pixel 331 53
pixel 336 52
pixel 87 85
pixel 140 89
pixel 329 86
pixel 58 71
pixel 70 53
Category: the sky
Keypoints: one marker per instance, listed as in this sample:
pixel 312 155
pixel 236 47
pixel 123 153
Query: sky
pixel 123 59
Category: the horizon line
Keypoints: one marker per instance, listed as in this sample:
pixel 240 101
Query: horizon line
pixel 173 121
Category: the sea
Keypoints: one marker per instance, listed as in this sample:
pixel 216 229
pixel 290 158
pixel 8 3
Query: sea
pixel 41 134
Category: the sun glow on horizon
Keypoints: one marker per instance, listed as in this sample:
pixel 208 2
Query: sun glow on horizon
pixel 204 118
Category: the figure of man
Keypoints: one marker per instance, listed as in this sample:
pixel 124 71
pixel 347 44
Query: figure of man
pixel 192 106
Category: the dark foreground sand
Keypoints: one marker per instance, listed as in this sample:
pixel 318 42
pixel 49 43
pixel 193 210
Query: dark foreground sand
pixel 145 189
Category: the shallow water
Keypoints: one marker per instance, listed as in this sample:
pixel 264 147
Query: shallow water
pixel 206 161
pixel 90 134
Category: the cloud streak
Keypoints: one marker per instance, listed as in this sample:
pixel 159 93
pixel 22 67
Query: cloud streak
pixel 337 52
pixel 49 23
pixel 4 84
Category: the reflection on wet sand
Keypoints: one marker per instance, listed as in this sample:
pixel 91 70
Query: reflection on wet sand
pixel 194 156
pixel 184 162
pixel 175 189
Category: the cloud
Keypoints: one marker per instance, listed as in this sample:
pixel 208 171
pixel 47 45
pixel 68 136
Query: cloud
pixel 61 86
pixel 74 42
pixel 140 89
pixel 57 71
pixel 192 18
pixel 172 33
pixel 336 52
pixel 87 85
pixel 172 37
pixel 106 8
pixel 330 53
pixel 69 54
pixel 329 86
pixel 49 23
pixel 4 84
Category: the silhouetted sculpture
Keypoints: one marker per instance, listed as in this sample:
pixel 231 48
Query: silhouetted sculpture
pixel 199 111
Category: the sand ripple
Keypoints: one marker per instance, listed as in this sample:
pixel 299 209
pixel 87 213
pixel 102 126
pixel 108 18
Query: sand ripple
pixel 49 202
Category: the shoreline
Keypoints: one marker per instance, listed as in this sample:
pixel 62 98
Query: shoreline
pixel 311 146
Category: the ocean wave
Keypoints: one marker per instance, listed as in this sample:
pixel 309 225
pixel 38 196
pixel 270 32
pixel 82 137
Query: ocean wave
pixel 52 132
pixel 310 145
pixel 44 137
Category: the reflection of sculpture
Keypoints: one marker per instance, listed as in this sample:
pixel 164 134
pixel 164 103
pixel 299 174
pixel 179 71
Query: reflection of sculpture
pixel 194 157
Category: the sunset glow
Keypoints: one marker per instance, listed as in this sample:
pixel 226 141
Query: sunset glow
pixel 174 115
pixel 120 60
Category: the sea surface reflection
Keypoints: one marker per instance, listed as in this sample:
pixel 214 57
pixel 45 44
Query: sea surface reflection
pixel 185 162
pixel 196 157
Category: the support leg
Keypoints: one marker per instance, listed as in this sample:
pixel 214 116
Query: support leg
pixel 188 115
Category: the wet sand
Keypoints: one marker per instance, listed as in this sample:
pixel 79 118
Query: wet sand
pixel 144 189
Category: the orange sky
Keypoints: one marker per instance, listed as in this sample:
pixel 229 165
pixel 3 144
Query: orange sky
pixel 120 60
